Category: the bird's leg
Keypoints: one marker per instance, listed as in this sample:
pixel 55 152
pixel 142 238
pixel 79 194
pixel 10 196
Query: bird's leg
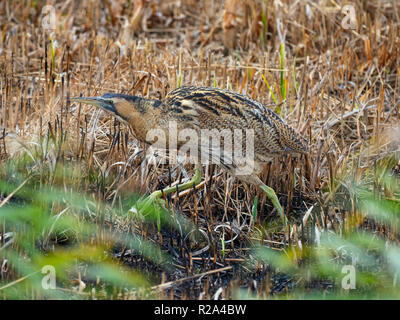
pixel 254 179
pixel 181 187
pixel 274 199
pixel 146 206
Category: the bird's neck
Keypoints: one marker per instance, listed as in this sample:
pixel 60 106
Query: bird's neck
pixel 144 106
pixel 140 113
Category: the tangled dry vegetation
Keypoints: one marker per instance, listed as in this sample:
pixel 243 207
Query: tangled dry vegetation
pixel 338 87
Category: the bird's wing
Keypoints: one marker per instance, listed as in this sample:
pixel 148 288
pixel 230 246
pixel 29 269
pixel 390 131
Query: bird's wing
pixel 208 108
pixel 220 104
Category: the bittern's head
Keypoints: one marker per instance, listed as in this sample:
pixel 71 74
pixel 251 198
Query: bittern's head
pixel 103 102
pixel 122 106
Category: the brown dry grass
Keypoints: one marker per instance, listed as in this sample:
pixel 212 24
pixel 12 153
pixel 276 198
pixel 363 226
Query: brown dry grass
pixel 342 93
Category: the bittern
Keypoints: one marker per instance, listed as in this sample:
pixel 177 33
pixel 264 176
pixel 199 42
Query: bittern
pixel 205 108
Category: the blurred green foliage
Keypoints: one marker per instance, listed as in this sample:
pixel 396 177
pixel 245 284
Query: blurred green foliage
pixel 45 222
pixel 368 243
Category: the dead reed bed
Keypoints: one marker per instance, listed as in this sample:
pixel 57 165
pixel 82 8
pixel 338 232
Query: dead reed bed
pixel 339 87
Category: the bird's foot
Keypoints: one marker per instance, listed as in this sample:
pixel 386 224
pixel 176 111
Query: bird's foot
pixel 149 209
pixel 155 199
pixel 155 202
pixel 275 201
pixel 150 203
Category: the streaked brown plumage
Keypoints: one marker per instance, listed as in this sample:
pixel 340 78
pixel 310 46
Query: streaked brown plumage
pixel 205 108
pixel 200 108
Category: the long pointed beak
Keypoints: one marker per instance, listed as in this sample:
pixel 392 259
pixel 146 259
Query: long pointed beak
pixel 100 102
